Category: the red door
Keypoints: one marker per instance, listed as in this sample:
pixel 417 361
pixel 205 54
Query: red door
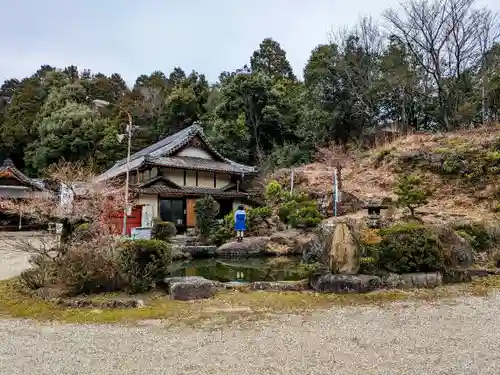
pixel 134 220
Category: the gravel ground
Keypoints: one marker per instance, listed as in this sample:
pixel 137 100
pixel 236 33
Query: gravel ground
pixel 454 338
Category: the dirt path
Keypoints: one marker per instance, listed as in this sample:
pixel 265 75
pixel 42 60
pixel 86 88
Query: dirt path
pixel 455 338
pixel 12 259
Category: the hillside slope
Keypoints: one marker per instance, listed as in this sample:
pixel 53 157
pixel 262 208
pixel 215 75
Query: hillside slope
pixel 462 169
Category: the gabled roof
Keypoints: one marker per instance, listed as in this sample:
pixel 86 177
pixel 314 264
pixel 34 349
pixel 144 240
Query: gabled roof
pixel 9 170
pixel 161 153
pixel 192 191
pixel 165 182
pixel 199 164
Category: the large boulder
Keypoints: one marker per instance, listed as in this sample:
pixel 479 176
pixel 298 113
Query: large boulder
pixel 250 246
pixel 344 254
pixel 191 287
pixel 279 286
pixel 291 242
pixel 334 283
pixel 412 280
pixel 458 251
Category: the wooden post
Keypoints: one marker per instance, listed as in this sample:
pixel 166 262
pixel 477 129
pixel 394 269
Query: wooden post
pixel 292 177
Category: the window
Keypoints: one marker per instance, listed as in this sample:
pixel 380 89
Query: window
pixel 146 175
pixel 172 210
pixel 154 172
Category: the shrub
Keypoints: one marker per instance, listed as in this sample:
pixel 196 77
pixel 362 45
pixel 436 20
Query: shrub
pixel 299 211
pixel 86 271
pixel 33 278
pixel 42 272
pixel 477 234
pixel 274 192
pixel 207 210
pixel 411 193
pixel 144 262
pixel 224 231
pixel 255 216
pixel 409 248
pixel 163 230
pixel 368 266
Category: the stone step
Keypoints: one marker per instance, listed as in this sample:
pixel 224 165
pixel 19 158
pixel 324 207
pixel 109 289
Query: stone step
pixel 185 241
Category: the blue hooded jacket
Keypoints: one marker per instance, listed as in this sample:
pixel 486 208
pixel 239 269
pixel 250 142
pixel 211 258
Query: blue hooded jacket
pixel 240 220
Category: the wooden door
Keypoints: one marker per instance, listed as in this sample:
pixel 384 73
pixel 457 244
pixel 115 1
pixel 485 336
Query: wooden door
pixel 190 213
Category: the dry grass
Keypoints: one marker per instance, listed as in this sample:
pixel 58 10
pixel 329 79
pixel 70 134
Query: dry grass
pixel 370 175
pixel 224 307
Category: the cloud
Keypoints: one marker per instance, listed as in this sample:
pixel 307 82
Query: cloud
pixel 132 38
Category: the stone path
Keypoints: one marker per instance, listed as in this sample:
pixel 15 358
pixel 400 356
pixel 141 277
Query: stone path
pixel 12 260
pixel 452 338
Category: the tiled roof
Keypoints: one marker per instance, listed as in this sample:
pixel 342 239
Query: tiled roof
pixel 9 168
pixel 188 162
pixel 190 190
pixel 168 146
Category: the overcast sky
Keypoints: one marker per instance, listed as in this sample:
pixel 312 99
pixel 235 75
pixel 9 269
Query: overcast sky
pixel 134 37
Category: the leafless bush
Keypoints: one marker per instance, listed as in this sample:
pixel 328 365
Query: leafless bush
pixel 83 257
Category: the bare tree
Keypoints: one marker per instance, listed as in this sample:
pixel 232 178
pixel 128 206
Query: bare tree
pixel 90 202
pixel 487 34
pixel 442 37
pixel 77 198
pixel 361 48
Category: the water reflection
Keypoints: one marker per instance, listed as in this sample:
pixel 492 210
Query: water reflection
pixel 243 270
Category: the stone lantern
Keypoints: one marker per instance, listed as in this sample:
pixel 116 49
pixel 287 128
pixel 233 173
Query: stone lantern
pixel 374 213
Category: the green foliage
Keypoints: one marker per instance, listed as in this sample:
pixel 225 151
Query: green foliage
pixel 224 231
pixel 163 230
pixel 274 192
pixel 381 156
pixel 411 193
pixel 368 266
pixel 206 210
pixel 260 113
pixel 477 234
pixel 257 215
pixel 290 155
pixel 409 248
pixel 144 262
pixel 299 210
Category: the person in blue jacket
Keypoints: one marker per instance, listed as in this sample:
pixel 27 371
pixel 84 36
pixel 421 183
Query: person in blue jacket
pixel 240 222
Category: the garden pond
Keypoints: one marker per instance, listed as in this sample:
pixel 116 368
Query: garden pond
pixel 244 270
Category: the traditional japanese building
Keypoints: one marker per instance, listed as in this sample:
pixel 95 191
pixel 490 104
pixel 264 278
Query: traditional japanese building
pixel 169 176
pixel 14 184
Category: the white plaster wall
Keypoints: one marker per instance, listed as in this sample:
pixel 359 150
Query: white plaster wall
pixel 176 175
pixel 190 178
pixel 195 153
pixel 222 179
pixel 150 200
pixel 206 179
